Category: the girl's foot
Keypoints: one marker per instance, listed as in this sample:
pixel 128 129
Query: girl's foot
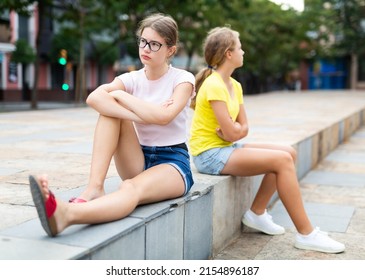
pixel 263 223
pixel 87 195
pixel 318 241
pixel 49 209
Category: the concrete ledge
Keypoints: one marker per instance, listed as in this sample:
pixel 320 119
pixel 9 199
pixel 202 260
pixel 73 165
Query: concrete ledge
pixel 155 231
pixel 196 226
pixel 316 147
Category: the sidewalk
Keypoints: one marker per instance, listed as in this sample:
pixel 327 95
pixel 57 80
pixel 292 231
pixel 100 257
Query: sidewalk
pixel 7 107
pixel 59 142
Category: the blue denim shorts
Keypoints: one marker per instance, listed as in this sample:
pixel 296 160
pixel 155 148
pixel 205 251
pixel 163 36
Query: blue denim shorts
pixel 176 156
pixel 212 161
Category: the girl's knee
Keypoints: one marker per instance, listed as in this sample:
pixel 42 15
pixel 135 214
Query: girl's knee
pixel 285 160
pixel 127 185
pixel 293 153
pixel 129 188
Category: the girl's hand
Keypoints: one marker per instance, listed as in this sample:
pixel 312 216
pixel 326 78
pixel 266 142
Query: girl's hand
pixel 219 132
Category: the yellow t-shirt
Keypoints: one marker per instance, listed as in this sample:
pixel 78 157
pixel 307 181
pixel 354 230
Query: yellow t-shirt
pixel 203 134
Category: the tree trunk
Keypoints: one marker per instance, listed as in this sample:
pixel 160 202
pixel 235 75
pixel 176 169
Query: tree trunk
pixel 189 60
pixel 34 97
pixel 80 95
pixel 353 71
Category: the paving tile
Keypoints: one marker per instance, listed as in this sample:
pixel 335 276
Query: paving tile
pixel 329 217
pixel 7 171
pixel 354 196
pixel 334 178
pixel 88 236
pixel 246 247
pixel 15 214
pixel 18 194
pixel 342 166
pixel 359 134
pixel 347 157
pixel 80 148
pixel 281 247
pixel 13 248
pixel 357 224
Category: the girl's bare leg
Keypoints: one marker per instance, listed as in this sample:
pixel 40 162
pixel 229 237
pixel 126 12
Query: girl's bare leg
pixel 268 185
pixel 112 137
pixel 155 184
pixel 248 161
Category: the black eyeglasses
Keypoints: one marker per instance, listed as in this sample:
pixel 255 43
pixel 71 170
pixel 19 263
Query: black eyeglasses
pixel 153 45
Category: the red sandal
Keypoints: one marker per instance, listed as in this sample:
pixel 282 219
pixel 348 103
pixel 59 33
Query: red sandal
pixel 45 209
pixel 77 200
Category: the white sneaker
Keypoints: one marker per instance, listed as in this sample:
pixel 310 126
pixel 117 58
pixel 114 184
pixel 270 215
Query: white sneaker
pixel 318 241
pixel 262 223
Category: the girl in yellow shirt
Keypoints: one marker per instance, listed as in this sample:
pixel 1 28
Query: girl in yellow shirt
pixel 220 121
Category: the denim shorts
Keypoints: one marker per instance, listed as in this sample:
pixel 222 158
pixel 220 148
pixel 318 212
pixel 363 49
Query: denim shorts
pixel 176 156
pixel 212 161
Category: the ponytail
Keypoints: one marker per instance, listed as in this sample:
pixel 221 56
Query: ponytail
pixel 199 79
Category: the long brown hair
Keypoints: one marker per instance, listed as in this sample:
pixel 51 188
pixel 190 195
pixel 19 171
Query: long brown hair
pixel 164 25
pixel 218 41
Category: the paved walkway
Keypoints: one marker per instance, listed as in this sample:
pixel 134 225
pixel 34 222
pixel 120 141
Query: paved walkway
pixel 59 142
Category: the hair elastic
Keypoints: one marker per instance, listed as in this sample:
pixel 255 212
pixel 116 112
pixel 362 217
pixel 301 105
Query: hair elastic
pixel 210 67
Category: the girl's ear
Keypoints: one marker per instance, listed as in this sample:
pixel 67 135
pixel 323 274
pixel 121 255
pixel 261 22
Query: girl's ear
pixel 228 54
pixel 171 51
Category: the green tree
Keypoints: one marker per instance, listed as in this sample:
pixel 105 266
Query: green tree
pixel 95 23
pixel 79 17
pixel 271 40
pixel 194 18
pixel 25 55
pixel 23 7
pixel 339 30
pixel 349 29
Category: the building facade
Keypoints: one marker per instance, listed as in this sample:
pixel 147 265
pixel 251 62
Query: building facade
pixel 17 80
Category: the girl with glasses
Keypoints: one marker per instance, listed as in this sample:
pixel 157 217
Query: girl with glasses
pixel 142 126
pixel 220 121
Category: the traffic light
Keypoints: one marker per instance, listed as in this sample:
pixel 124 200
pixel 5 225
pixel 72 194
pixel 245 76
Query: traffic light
pixel 66 69
pixel 63 57
pixel 65 86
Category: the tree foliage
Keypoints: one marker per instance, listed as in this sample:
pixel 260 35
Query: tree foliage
pixel 23 53
pixel 349 25
pixel 20 6
pixel 66 39
pixel 274 40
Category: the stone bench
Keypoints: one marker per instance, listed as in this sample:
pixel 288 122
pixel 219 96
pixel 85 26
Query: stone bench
pixel 195 226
